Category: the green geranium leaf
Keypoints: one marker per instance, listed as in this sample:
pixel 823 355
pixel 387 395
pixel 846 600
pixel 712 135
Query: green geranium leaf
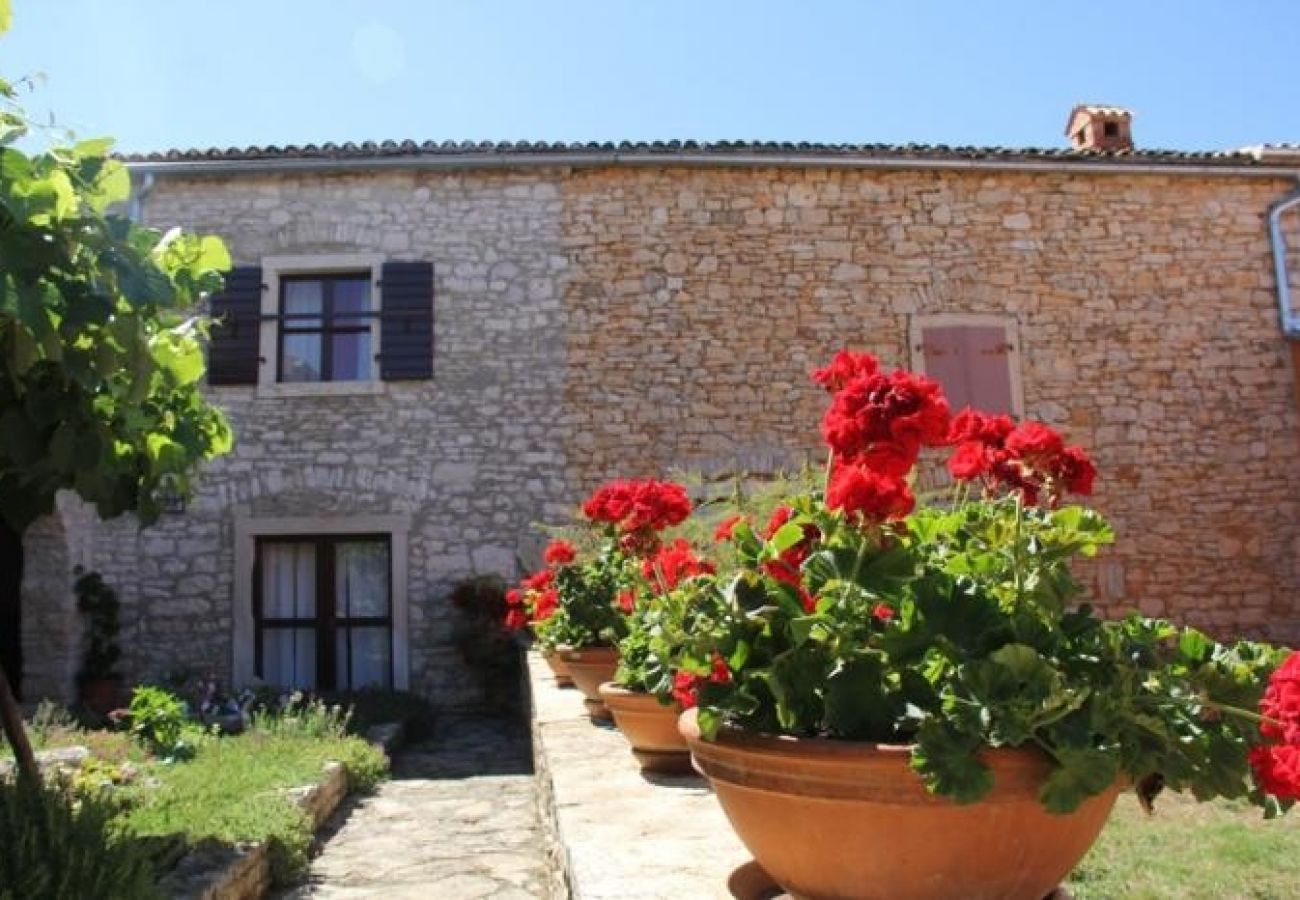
pixel 949 764
pixel 1081 773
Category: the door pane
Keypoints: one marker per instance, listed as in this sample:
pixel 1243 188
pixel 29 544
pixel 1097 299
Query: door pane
pixel 972 363
pixel 288 581
pixel 289 657
pixel 361 579
pixel 364 657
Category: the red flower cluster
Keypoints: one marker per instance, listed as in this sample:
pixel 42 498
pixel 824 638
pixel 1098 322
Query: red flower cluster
pixel 535 600
pixel 686 685
pixel 559 552
pixel 867 497
pixel 1276 763
pixel 787 567
pixel 846 366
pixel 673 564
pixel 1029 457
pixel 638 505
pixel 626 601
pixel 882 421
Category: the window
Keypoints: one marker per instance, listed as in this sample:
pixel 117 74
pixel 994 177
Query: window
pixel 323 325
pixel 326 328
pixel 322 609
pixel 974 357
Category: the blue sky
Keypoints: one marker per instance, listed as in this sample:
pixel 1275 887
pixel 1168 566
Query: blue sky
pixel 185 73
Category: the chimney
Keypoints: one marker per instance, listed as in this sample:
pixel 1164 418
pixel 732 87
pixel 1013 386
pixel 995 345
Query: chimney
pixel 1106 129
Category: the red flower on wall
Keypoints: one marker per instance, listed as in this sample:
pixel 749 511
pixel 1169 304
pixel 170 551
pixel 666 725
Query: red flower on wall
pixel 1276 762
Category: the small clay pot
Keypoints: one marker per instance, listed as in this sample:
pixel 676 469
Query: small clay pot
pixel 590 667
pixel 650 727
pixel 558 669
pixel 850 820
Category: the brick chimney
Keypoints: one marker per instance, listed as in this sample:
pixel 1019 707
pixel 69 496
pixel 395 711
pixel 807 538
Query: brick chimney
pixel 1100 128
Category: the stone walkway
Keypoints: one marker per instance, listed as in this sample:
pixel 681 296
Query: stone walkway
pixel 458 820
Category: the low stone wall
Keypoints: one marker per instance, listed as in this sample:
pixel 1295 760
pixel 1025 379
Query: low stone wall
pixel 614 834
pixel 213 870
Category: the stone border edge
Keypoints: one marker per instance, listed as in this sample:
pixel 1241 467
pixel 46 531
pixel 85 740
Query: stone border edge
pixel 212 870
pixel 559 868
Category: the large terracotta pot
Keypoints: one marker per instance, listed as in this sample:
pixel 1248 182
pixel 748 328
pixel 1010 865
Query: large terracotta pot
pixel 590 667
pixel 838 819
pixel 650 727
pixel 558 669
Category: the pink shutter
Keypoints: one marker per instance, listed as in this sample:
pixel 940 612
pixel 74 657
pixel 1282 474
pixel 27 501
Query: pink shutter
pixel 972 362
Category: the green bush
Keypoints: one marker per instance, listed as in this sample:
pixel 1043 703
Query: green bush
pixel 157 719
pixel 57 845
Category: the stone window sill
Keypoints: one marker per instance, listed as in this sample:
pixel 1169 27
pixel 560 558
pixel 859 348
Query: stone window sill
pixel 320 389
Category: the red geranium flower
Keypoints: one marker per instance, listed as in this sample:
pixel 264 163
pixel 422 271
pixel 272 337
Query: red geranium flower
pixel 786 568
pixel 867 497
pixel 685 687
pixel 545 604
pixel 882 613
pixel 721 674
pixel 559 552
pixel 673 564
pixel 1276 763
pixel 516 619
pixel 884 420
pixel 726 527
pixel 627 601
pixel 1280 704
pixel 1034 441
pixel 539 581
pixel 844 367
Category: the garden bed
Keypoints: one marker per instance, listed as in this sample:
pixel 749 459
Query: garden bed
pixel 617 834
pixel 242 809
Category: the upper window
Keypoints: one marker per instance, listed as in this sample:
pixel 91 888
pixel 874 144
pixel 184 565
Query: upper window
pixel 326 328
pixel 976 359
pixel 334 324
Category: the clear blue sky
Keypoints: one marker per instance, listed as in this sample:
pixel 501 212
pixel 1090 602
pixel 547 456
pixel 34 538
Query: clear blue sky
pixel 158 74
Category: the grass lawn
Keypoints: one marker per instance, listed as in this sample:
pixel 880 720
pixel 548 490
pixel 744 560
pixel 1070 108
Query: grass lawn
pixel 1191 850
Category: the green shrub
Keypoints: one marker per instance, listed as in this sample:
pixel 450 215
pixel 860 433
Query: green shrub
pixel 157 719
pixel 57 845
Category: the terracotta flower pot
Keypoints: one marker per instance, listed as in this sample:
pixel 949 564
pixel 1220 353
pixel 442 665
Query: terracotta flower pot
pixel 650 727
pixel 590 667
pixel 558 669
pixel 838 819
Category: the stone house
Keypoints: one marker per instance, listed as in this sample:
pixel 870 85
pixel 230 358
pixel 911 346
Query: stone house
pixel 427 348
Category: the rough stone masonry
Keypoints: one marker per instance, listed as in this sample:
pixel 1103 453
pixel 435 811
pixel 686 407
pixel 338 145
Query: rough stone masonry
pixel 601 320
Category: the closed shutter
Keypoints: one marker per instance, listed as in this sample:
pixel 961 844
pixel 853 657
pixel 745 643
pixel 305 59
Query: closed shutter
pixel 406 342
pixel 973 363
pixel 236 313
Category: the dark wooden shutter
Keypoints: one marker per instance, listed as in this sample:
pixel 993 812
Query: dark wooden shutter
pixel 406 338
pixel 973 363
pixel 236 313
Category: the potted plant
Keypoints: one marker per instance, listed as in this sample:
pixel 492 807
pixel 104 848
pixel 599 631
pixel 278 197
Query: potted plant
pixel 573 605
pixel 99 683
pixel 644 697
pixel 907 702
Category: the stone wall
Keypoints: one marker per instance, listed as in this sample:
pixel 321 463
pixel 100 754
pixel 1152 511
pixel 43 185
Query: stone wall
pixel 623 321
pixel 473 456
pixel 1147 321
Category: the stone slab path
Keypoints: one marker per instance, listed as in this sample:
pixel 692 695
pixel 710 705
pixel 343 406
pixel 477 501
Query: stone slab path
pixel 458 820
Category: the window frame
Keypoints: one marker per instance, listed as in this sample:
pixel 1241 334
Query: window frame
pixel 1010 328
pixel 326 622
pixel 364 323
pixel 249 528
pixel 279 269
